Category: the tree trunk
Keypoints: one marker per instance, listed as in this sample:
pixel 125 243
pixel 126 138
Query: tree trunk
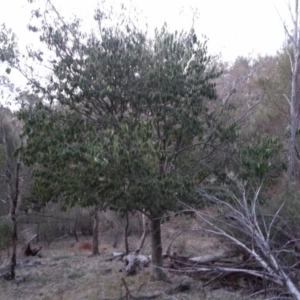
pixel 143 237
pixel 294 98
pixel 126 235
pixel 95 232
pixel 14 242
pixel 292 145
pixel 13 208
pixel 157 271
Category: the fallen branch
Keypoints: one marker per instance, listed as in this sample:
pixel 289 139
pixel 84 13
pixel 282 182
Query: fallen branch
pixel 210 258
pixel 254 239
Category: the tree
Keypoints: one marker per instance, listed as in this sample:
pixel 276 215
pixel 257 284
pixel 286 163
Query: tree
pixel 128 124
pixel 292 50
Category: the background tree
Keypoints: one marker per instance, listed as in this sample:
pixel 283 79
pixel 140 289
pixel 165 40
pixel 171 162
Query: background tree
pixel 10 172
pixel 292 49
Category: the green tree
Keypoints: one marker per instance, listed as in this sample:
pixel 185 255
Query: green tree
pixel 128 123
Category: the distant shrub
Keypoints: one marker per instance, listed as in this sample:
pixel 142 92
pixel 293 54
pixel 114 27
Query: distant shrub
pixel 49 231
pixel 55 223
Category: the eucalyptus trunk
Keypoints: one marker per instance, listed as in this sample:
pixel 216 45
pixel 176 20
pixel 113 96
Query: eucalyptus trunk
pixel 13 261
pixel 157 271
pixel 13 209
pixel 293 102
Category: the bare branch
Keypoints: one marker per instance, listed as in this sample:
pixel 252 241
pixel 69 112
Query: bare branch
pixel 283 22
pixel 287 99
pixel 243 217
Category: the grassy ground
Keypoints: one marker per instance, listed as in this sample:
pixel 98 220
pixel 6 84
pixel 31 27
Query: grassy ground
pixel 64 272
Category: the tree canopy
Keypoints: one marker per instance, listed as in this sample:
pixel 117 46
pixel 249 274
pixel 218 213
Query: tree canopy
pixel 131 104
pixel 126 120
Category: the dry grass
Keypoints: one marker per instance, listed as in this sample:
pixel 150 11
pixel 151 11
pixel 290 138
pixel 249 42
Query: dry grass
pixel 68 271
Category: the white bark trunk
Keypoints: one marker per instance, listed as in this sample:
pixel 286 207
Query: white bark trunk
pixel 294 59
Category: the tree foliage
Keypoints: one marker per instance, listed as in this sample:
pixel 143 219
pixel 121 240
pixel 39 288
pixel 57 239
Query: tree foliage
pixel 123 108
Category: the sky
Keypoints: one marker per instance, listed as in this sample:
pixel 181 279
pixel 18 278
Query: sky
pixel 233 27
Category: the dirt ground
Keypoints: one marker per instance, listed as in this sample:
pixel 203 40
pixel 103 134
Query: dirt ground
pixel 65 272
